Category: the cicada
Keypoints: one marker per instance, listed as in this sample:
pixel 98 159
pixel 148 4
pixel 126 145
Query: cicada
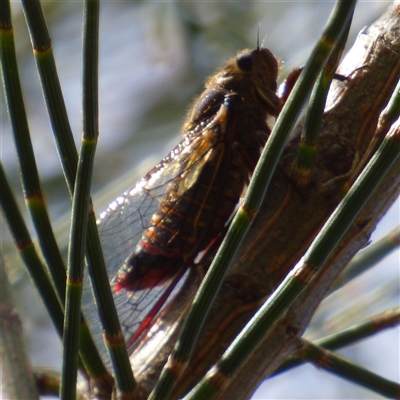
pixel 158 229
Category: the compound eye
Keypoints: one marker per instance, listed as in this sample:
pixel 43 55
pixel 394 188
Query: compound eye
pixel 245 62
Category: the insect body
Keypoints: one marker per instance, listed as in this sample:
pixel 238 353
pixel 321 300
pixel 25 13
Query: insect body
pixel 180 207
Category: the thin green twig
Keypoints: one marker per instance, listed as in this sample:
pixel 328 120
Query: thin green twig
pixel 349 336
pixel 368 257
pixel 68 157
pixel 28 253
pixel 347 369
pixel 80 203
pixel 315 111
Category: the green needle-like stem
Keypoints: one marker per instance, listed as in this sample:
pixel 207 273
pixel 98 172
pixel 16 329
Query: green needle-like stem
pixel 349 336
pixel 309 137
pixel 33 194
pixel 386 119
pixel 80 211
pixel 368 257
pixel 344 368
pixel 80 203
pixel 28 253
pixel 32 190
pixel 69 159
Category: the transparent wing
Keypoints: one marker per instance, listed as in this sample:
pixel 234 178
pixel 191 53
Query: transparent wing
pixel 122 224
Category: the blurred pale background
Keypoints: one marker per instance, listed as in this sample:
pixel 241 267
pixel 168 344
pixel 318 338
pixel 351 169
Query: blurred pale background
pixel 154 58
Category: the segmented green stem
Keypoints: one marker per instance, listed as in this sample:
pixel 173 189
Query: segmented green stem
pixel 386 119
pixel 28 253
pixel 368 257
pixel 315 111
pixel 80 203
pixel 349 336
pixel 344 368
pixel 33 194
pixel 68 157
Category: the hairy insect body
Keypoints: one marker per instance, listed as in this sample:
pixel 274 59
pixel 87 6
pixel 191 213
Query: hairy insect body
pixel 206 174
